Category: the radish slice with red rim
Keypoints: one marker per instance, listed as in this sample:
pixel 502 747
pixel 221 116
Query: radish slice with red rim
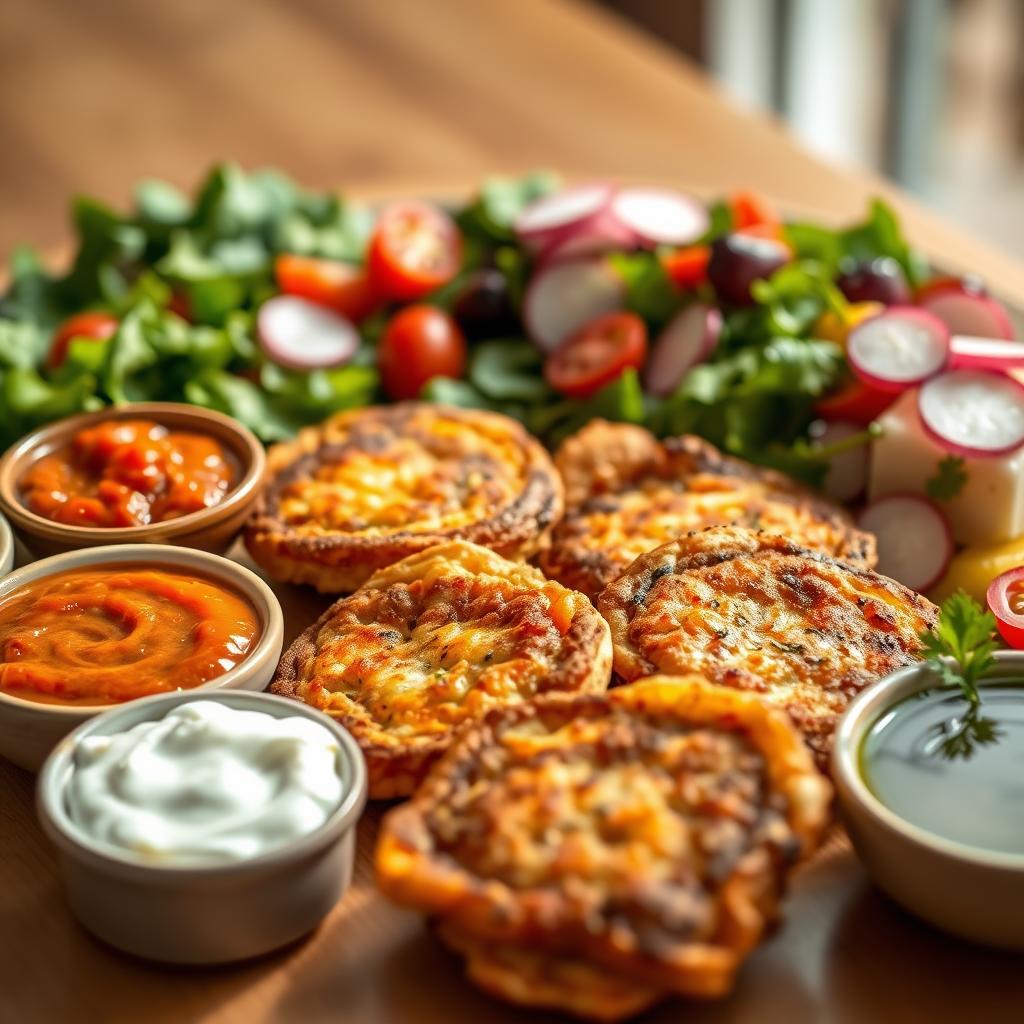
pixel 985 353
pixel 600 234
pixel 302 335
pixel 964 312
pixel 915 544
pixel 686 340
pixel 898 348
pixel 550 218
pixel 847 474
pixel 659 216
pixel 973 413
pixel 563 296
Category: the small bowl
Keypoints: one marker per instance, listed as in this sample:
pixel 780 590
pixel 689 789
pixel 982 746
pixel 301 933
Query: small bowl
pixel 203 914
pixel 6 548
pixel 30 729
pixel 969 891
pixel 210 529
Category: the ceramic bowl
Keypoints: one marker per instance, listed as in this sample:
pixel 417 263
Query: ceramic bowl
pixel 194 913
pixel 30 729
pixel 211 529
pixel 969 891
pixel 6 548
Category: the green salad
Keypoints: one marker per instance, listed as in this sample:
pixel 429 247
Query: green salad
pixel 727 324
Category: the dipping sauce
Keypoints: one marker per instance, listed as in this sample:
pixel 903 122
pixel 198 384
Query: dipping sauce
pixel 128 473
pixel 976 798
pixel 116 632
pixel 205 783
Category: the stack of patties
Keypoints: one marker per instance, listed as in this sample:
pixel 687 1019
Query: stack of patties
pixel 599 853
pixel 626 493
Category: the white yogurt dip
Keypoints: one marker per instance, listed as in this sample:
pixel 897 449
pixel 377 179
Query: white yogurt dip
pixel 206 783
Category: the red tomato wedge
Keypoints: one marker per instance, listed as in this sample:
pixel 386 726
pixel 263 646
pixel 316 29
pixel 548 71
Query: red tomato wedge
pixel 419 342
pixel 687 268
pixel 1006 601
pixel 414 250
pixel 598 353
pixel 95 325
pixel 854 402
pixel 339 286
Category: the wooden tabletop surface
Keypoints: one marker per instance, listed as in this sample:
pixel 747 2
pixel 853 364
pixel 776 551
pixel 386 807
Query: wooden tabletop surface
pixel 429 96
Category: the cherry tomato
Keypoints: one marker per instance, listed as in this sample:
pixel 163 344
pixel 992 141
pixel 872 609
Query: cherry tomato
pixel 95 325
pixel 332 283
pixel 687 268
pixel 418 343
pixel 415 249
pixel 751 210
pixel 1006 601
pixel 598 353
pixel 854 402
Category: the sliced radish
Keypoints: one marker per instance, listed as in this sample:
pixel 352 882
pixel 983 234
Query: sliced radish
pixel 847 475
pixel 974 413
pixel 914 541
pixel 553 217
pixel 898 348
pixel 304 336
pixel 985 353
pixel 964 312
pixel 659 216
pixel 563 296
pixel 686 340
pixel 600 234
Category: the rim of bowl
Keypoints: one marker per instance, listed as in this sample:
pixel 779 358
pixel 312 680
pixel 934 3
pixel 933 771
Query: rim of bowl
pixel 54 775
pixel 170 556
pixel 242 442
pixel 864 711
pixel 6 542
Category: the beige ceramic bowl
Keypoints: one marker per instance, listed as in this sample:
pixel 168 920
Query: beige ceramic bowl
pixel 6 548
pixel 204 914
pixel 212 529
pixel 30 729
pixel 975 893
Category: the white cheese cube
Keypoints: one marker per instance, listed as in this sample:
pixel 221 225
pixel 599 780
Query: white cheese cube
pixel 989 508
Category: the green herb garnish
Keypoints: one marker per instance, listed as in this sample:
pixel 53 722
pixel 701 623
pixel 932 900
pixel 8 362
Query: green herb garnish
pixel 949 479
pixel 960 650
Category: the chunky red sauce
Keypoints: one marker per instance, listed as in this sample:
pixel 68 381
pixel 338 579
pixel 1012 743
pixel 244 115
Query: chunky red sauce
pixel 128 473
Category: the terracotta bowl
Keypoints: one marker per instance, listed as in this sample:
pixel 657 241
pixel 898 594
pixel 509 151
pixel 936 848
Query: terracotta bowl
pixel 211 529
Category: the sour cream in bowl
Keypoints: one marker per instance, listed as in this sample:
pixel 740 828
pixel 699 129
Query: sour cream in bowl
pixel 204 827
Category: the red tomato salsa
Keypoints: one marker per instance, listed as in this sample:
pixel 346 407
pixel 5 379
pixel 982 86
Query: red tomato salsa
pixel 128 473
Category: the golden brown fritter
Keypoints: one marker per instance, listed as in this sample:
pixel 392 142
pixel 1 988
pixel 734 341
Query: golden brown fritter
pixel 367 488
pixel 761 613
pixel 435 640
pixel 647 832
pixel 627 493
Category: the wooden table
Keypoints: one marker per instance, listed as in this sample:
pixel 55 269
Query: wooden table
pixel 427 96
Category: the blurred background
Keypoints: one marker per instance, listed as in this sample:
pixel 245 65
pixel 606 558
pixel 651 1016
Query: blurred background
pixel 100 93
pixel 928 92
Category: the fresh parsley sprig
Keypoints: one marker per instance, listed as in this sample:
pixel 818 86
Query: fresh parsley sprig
pixel 964 635
pixel 949 479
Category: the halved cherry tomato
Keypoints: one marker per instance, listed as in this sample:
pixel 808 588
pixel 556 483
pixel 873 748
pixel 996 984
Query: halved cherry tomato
pixel 418 343
pixel 854 402
pixel 339 286
pixel 1006 601
pixel 95 325
pixel 687 268
pixel 415 249
pixel 598 353
pixel 751 210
